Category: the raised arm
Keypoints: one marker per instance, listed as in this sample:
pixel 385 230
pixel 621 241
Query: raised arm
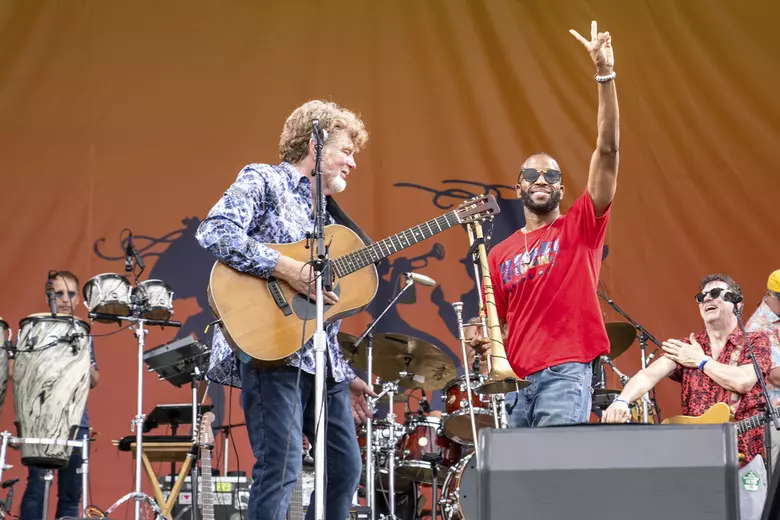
pixel 602 176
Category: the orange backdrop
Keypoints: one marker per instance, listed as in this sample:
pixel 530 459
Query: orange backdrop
pixel 139 114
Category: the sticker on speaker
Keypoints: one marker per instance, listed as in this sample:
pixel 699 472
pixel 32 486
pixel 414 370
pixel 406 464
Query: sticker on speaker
pixel 750 481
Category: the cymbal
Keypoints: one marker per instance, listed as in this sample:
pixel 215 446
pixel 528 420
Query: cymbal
pixel 429 367
pixel 621 336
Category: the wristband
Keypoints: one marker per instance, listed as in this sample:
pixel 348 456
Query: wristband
pixel 604 79
pixel 622 401
pixel 701 365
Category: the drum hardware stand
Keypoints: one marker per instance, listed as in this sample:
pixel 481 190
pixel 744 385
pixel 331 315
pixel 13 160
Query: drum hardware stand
pixel 368 334
pixel 644 336
pixel 458 306
pixel 435 459
pixel 390 389
pixel 137 425
pixel 48 478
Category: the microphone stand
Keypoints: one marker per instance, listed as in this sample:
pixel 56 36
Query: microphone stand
pixel 643 337
pixel 322 282
pixel 769 411
pixel 370 479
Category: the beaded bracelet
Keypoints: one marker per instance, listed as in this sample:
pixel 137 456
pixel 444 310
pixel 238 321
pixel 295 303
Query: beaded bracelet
pixel 604 79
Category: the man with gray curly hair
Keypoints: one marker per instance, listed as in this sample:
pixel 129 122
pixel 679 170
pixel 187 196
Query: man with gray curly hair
pixel 274 204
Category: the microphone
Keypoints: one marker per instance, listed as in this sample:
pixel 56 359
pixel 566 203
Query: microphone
pixel 475 364
pixel 320 136
pixel 424 406
pixel 130 253
pixel 50 293
pixel 733 298
pixel 9 483
pixel 421 279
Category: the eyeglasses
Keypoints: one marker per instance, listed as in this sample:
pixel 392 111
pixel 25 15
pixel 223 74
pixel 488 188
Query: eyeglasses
pixel 714 293
pixel 532 174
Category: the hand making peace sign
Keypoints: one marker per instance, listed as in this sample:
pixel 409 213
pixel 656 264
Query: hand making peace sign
pixel 600 49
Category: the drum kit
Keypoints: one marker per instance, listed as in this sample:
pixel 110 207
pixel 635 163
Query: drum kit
pixel 398 456
pixel 51 375
pixel 427 445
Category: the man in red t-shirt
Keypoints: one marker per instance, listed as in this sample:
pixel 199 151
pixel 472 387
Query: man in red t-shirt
pixel 713 366
pixel 545 275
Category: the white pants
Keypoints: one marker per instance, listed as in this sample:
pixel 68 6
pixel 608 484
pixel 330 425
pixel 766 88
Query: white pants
pixel 752 489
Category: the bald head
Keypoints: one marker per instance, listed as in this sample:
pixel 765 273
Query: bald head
pixel 541 161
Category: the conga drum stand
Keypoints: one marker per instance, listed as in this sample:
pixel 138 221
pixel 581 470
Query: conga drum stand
pixel 137 424
pixel 9 439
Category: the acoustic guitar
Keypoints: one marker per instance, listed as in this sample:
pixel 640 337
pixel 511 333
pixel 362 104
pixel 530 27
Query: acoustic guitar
pixel 269 320
pixel 719 413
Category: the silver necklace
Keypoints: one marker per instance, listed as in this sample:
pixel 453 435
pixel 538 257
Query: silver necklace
pixel 525 259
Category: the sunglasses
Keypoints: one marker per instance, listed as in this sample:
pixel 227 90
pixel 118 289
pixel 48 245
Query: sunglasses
pixel 532 174
pixel 714 293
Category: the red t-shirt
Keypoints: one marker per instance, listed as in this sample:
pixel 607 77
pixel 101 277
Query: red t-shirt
pixel 699 392
pixel 550 304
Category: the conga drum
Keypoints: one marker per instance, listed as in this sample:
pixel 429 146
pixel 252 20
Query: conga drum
pixel 51 382
pixel 5 342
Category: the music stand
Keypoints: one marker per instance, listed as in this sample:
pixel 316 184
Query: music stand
pixel 176 361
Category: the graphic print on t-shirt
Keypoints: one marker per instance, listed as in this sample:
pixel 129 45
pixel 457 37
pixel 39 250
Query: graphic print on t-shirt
pixel 524 267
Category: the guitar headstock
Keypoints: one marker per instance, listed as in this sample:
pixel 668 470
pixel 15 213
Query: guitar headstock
pixel 481 207
pixel 206 435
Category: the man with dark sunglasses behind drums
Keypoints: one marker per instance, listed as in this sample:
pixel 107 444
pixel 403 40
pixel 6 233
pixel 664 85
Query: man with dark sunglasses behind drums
pixel 714 366
pixel 544 275
pixel 65 289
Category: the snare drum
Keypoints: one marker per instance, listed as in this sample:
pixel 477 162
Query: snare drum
pixel 51 382
pixel 5 342
pixel 457 425
pixel 382 446
pixel 459 493
pixel 155 298
pixel 422 437
pixel 108 293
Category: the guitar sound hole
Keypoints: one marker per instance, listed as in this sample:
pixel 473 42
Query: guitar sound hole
pixel 306 309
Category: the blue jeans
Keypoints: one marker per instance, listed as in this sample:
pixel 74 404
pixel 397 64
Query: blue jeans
pixel 557 395
pixel 68 488
pixel 268 398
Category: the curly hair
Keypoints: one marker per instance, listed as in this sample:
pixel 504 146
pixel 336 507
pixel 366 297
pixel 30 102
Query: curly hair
pixel 732 285
pixel 294 141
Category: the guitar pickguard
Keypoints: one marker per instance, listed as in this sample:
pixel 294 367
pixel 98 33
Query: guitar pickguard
pixel 306 309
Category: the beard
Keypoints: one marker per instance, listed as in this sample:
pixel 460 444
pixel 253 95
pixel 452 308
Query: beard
pixel 543 208
pixel 336 184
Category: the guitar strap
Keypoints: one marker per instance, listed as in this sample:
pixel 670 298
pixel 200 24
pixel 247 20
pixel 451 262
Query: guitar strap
pixel 340 217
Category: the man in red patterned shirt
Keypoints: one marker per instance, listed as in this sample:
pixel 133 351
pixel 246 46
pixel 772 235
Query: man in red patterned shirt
pixel 713 366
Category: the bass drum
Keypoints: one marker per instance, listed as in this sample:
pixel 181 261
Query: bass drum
pixel 459 492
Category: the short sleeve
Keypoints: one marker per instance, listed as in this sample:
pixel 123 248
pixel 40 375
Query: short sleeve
pixel 582 216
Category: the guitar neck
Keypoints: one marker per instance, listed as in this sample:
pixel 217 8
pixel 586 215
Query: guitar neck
pixel 207 485
pixel 368 255
pixel 751 422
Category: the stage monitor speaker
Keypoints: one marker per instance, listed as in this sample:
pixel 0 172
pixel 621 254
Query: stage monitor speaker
pixel 609 472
